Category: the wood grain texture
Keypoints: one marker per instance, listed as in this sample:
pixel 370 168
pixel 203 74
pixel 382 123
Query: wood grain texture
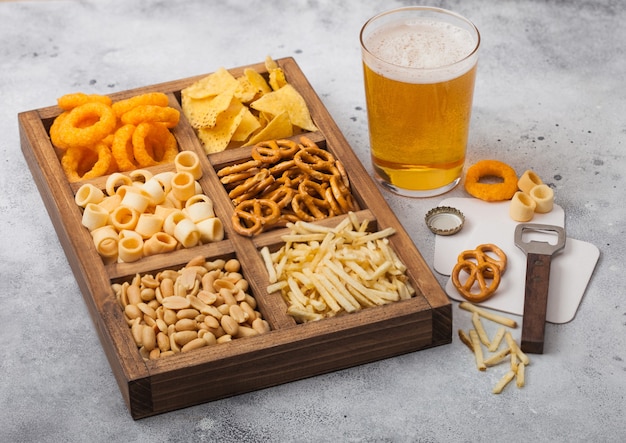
pixel 289 351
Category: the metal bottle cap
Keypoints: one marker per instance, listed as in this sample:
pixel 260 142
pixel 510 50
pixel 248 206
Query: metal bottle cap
pixel 444 220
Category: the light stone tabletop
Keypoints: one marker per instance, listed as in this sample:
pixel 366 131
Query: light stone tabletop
pixel 550 96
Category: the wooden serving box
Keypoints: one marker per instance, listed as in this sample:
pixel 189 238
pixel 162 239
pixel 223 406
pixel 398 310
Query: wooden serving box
pixel 290 351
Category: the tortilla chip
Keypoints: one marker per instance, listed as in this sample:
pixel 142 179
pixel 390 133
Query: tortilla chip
pixel 257 81
pixel 246 91
pixel 217 138
pixel 204 112
pixel 248 125
pixel 213 84
pixel 286 99
pixel 279 127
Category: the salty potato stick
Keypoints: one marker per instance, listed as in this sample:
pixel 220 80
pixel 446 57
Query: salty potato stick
pixel 373 295
pixel 514 362
pixel 375 235
pixel 295 289
pixel 338 290
pixel 322 251
pixel 363 301
pixel 520 375
pixel 497 339
pixel 269 264
pixel 465 340
pixel 515 348
pixel 480 330
pixel 276 286
pixel 303 238
pixel 503 382
pixel 326 296
pixel 497 358
pixel 478 351
pixel 488 315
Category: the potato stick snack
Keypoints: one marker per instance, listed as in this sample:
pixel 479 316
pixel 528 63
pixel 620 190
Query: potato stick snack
pixel 335 270
pixel 488 315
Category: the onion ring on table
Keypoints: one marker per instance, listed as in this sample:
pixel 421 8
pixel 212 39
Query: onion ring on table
pixel 153 144
pixel 491 191
pixel 70 101
pixel 85 163
pixel 482 254
pixel 151 114
pixel 150 98
pixel 252 216
pixel 87 124
pixel 477 276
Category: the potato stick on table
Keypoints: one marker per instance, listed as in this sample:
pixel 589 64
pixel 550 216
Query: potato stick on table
pixel 480 329
pixel 488 315
pixel 503 382
pixel 497 339
pixel 478 351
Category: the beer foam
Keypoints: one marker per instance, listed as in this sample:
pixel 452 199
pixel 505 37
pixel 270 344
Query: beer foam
pixel 420 51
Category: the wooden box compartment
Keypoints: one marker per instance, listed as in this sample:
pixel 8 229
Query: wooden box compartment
pixel 290 351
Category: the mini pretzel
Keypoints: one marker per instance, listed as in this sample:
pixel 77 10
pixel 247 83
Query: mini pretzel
pixel 266 152
pixel 477 276
pixel 251 216
pixel 316 162
pixel 480 255
pixel 239 167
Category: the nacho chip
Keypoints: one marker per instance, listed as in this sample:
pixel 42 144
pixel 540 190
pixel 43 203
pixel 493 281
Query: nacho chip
pixel 276 74
pixel 211 85
pixel 203 113
pixel 257 81
pixel 286 99
pixel 279 127
pixel 246 91
pixel 249 124
pixel 217 138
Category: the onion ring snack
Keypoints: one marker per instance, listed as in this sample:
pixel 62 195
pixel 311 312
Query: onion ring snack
pixel 91 123
pixel 491 191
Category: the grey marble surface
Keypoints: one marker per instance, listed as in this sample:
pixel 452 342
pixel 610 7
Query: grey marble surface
pixel 550 96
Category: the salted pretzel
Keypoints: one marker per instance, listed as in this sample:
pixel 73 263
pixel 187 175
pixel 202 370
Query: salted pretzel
pixel 481 254
pixel 481 266
pixel 477 277
pixel 305 182
pixel 316 162
pixel 251 216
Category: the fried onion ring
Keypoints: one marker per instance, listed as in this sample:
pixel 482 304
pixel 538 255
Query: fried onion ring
pixel 83 163
pixel 151 114
pixel 491 191
pixel 86 125
pixel 71 101
pixel 153 144
pixel 151 98
pixel 122 148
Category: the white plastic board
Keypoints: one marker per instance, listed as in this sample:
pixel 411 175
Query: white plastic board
pixel 487 222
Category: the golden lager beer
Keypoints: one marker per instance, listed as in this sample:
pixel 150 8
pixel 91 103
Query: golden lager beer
pixel 419 68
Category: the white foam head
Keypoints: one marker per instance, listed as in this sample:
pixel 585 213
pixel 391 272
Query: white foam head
pixel 420 50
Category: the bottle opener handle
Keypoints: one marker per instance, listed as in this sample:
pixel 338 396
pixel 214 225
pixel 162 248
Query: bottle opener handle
pixel 538 260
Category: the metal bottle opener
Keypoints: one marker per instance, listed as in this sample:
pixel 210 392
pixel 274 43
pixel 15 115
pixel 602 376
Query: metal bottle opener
pixel 538 258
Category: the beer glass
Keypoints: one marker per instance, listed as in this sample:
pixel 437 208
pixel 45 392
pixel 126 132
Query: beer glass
pixel 419 67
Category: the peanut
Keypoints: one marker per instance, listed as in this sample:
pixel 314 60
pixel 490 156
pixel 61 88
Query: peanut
pixel 202 304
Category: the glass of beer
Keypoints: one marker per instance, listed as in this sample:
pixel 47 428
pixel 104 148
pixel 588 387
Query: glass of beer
pixel 419 68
